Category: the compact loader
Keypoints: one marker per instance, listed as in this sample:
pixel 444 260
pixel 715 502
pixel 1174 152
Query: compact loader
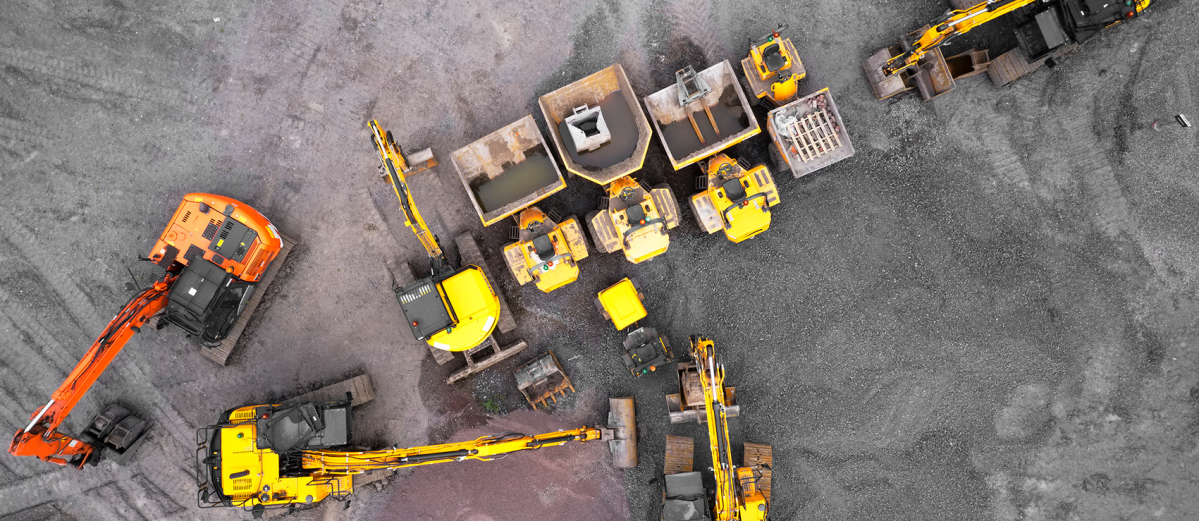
pixel 644 349
pixel 735 198
pixel 772 69
pixel 547 250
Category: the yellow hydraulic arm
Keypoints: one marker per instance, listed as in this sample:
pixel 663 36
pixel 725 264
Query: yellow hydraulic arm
pixel 737 496
pixel 396 170
pixel 334 463
pixel 954 23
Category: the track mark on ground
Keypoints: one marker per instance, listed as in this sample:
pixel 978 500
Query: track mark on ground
pixel 693 19
pixel 1086 156
pixel 94 75
pixel 77 303
pixel 23 138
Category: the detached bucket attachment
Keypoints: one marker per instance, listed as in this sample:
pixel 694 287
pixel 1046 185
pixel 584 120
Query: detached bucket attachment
pixel 117 432
pixel 622 421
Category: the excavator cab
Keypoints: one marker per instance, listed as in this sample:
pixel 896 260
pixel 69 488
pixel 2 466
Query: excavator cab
pixel 773 68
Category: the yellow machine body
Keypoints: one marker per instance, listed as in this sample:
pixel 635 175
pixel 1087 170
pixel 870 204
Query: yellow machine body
pixel 734 500
pixel 773 69
pixel 621 302
pixel 642 241
pixel 737 199
pixel 547 252
pixel 475 306
pixel 470 307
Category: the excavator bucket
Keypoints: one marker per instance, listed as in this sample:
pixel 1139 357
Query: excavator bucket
pixel 622 419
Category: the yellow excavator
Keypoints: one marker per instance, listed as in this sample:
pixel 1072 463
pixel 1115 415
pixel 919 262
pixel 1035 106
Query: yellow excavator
pixel 635 220
pixel 735 198
pixel 296 454
pixel 451 309
pixel 547 250
pixel 1044 27
pixel 742 493
pixel 772 69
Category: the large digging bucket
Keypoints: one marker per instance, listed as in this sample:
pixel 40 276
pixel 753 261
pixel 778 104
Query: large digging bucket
pixel 622 419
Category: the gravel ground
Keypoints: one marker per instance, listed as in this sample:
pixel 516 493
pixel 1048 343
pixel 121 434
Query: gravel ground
pixel 985 314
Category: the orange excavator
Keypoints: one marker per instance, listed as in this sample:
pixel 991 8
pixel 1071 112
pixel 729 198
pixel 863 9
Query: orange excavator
pixel 216 252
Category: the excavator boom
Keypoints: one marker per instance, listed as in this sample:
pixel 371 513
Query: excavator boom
pixel 396 168
pixel 41 438
pixel 954 23
pixel 483 449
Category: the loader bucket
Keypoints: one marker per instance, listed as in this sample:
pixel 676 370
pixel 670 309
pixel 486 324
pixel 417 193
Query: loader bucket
pixel 622 420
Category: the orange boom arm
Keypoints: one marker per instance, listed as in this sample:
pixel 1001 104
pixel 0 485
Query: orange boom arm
pixel 41 438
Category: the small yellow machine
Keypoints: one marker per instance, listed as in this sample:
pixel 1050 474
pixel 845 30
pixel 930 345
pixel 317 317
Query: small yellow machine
pixel 296 454
pixel 735 198
pixel 644 350
pixel 773 69
pixel 547 250
pixel 451 309
pixel 742 492
pixel 635 220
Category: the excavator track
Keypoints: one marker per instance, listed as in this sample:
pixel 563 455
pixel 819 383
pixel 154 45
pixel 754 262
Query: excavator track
pixel 759 455
pixel 220 353
pixel 680 454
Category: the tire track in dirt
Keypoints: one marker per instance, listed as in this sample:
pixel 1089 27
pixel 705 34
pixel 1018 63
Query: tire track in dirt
pixel 77 303
pixel 1085 155
pixel 94 75
pixel 693 19
pixel 24 138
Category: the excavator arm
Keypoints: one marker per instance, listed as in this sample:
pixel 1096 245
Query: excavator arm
pixel 487 448
pixel 396 168
pixel 41 437
pixel 953 24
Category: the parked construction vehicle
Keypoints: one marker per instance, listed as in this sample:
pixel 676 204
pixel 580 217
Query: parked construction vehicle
pixel 742 492
pixel 507 170
pixel 807 135
pixel 634 219
pixel 297 454
pixel 454 309
pixel 547 250
pixel 644 349
pixel 602 135
pixel 701 114
pixel 1046 30
pixel 736 198
pixel 772 69
pixel 230 252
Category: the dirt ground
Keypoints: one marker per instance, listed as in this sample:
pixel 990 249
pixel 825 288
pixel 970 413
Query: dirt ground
pixel 985 314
